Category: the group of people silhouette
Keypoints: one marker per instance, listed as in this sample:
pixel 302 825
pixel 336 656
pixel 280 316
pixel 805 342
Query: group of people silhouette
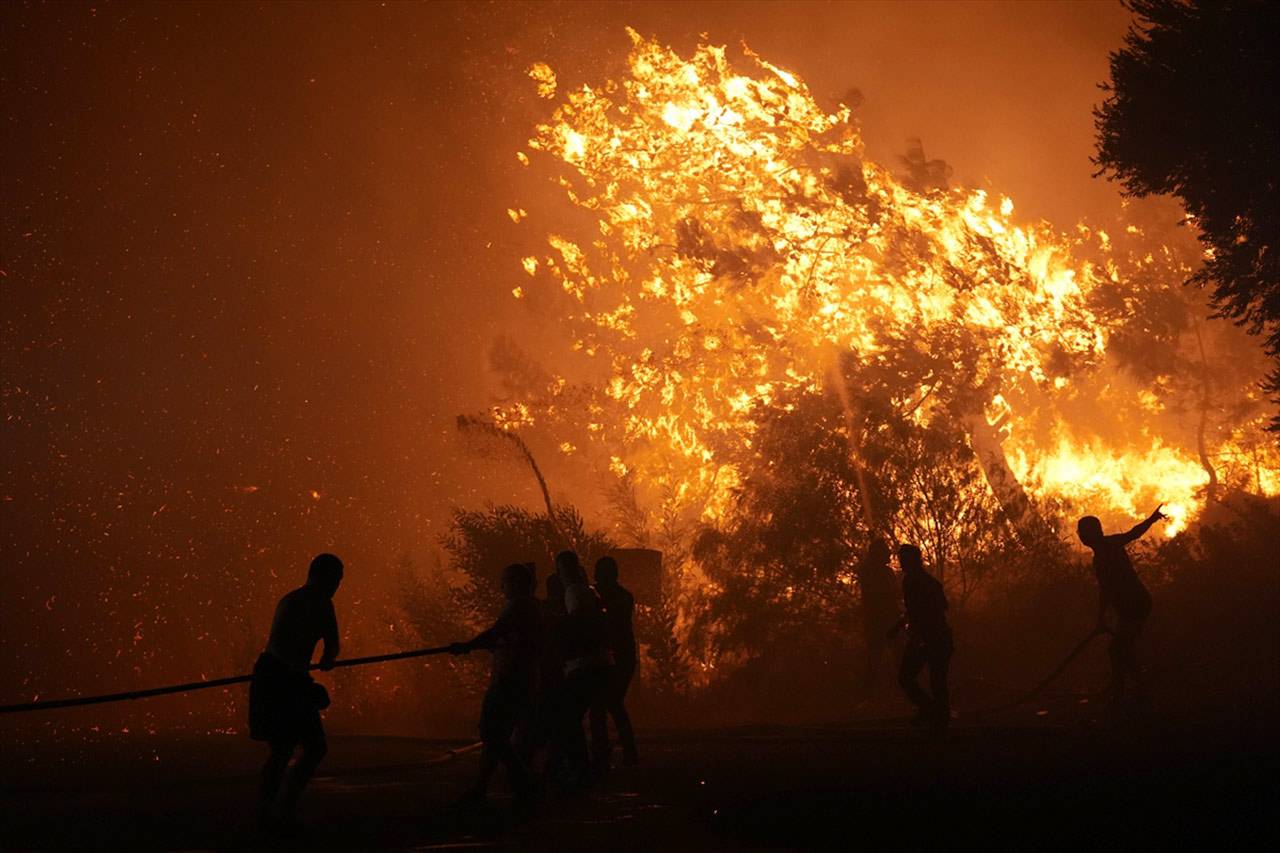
pixel 556 661
pixel 572 655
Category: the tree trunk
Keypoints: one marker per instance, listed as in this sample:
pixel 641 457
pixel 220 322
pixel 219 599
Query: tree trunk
pixel 1211 490
pixel 865 500
pixel 988 446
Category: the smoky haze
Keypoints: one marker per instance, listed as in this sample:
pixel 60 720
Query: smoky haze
pixel 254 258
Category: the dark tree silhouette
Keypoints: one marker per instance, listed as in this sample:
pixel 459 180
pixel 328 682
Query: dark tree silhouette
pixel 1192 111
pixel 480 542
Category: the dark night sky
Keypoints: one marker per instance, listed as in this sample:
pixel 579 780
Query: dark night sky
pixel 252 256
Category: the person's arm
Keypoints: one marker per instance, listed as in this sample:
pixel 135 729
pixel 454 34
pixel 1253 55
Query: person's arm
pixel 908 604
pixel 489 637
pixel 330 636
pixel 1137 531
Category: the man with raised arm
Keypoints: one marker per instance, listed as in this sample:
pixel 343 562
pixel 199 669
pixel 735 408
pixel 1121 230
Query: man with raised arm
pixel 284 702
pixel 1122 592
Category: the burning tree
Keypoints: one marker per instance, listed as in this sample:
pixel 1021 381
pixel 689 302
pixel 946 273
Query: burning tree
pixel 736 257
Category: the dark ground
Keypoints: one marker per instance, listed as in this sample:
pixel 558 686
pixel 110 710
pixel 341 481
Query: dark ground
pixel 1043 777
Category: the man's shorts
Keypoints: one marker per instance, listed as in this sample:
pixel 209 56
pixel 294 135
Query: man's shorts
pixel 284 705
pixel 505 705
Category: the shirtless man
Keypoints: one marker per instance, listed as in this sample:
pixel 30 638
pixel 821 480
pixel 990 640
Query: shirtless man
pixel 284 702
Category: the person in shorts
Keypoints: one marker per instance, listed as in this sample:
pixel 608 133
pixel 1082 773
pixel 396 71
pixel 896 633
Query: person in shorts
pixel 284 702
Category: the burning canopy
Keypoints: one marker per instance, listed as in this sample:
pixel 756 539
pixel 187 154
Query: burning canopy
pixel 738 249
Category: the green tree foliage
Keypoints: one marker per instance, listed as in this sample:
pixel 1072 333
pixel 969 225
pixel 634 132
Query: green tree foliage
pixel 481 542
pixel 431 612
pixel 781 565
pixel 1202 375
pixel 665 672
pixel 1191 111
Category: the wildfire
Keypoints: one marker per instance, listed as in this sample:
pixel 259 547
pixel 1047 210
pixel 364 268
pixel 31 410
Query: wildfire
pixel 1128 484
pixel 742 245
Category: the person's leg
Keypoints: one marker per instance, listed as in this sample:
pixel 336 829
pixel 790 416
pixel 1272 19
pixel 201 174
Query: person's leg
pixel 623 672
pixel 556 722
pixel 539 731
pixel 272 775
pixel 488 765
pixel 577 701
pixel 873 648
pixel 1124 661
pixel 506 714
pixel 1120 653
pixel 527 739
pixel 939 667
pixel 1135 670
pixel 489 735
pixel 601 681
pixel 314 748
pixel 598 724
pixel 913 660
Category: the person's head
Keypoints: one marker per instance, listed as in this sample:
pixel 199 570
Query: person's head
pixel 517 580
pixel 878 551
pixel 910 558
pixel 606 571
pixel 1089 529
pixel 569 569
pixel 325 573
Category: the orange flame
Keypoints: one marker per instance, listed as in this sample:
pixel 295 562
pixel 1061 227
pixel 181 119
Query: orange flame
pixel 741 241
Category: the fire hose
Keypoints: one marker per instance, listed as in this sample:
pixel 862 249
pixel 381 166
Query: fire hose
pixel 1048 679
pixel 50 704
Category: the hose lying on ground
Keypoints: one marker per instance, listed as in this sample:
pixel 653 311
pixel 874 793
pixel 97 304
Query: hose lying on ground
pixel 1048 679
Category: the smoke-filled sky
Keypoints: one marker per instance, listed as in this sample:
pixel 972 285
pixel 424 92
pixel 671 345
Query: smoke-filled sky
pixel 252 258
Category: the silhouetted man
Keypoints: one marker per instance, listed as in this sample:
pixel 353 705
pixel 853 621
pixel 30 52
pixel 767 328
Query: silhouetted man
pixel 928 639
pixel 619 610
pixel 587 661
pixel 284 702
pixel 551 673
pixel 876 585
pixel 541 730
pixel 515 640
pixel 1120 590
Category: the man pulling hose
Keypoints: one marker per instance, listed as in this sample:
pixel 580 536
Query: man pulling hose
pixel 284 702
